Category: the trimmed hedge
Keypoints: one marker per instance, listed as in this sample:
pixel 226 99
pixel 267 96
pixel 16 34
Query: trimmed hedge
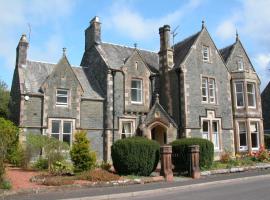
pixel 180 153
pixel 135 155
pixel 267 141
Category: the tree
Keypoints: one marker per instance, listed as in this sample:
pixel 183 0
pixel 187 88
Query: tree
pixel 83 159
pixel 4 99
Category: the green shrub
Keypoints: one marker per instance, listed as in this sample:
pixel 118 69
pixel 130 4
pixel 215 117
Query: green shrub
pixel 267 141
pixel 63 167
pixel 81 155
pixel 16 156
pixel 180 152
pixel 6 185
pixel 41 164
pixel 54 150
pixel 135 155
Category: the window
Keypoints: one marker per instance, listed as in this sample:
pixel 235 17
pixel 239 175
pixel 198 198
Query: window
pixel 240 65
pixel 210 131
pixel 204 90
pixel 61 97
pixel 254 129
pixel 242 135
pixel 136 91
pixel 239 89
pixel 205 130
pixel 212 92
pixel 62 130
pixel 126 130
pixel 205 54
pixel 251 95
pixel 215 132
pixel 208 90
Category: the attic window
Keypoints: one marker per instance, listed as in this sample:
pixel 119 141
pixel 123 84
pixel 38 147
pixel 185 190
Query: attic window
pixel 61 97
pixel 136 65
pixel 240 65
pixel 205 51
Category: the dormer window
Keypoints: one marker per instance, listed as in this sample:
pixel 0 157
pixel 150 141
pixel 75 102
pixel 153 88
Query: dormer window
pixel 205 52
pixel 240 65
pixel 136 91
pixel 61 97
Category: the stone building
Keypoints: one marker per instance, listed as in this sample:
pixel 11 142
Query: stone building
pixel 190 89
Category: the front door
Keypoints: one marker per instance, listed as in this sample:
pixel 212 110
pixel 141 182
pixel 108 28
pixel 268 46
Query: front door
pixel 158 133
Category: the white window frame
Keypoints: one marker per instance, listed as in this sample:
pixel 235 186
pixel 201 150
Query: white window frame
pixel 208 86
pixel 257 134
pixel 206 135
pixel 215 135
pixel 206 53
pixel 253 93
pixel 61 128
pixel 242 148
pixel 240 65
pixel 243 94
pixel 122 121
pixel 204 85
pixel 138 90
pixel 63 96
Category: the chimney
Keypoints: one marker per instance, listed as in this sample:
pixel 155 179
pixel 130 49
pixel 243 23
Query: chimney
pixel 166 52
pixel 165 66
pixel 21 51
pixel 92 33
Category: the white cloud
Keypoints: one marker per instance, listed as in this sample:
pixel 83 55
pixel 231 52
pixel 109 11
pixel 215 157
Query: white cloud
pixel 15 15
pixel 226 29
pixel 124 19
pixel 263 61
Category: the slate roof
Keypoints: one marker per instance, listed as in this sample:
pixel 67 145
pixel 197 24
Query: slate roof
pixel 116 55
pixel 226 52
pixel 182 48
pixel 36 72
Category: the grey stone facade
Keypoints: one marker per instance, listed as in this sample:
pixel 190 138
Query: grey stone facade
pixel 185 90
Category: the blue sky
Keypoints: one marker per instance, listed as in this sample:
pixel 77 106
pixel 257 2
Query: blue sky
pixel 61 23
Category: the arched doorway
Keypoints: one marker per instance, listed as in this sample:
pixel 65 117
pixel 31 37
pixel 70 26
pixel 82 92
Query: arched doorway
pixel 159 133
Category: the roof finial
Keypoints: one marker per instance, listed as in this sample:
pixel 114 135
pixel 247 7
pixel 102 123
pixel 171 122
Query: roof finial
pixel 236 35
pixel 203 25
pixel 135 45
pixel 64 51
pixel 157 98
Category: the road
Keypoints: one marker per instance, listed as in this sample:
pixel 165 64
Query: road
pixel 253 185
pixel 254 189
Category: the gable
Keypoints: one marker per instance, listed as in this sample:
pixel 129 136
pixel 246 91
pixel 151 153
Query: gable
pixel 238 53
pixel 62 76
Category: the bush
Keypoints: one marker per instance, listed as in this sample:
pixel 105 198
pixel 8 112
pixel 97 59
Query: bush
pixel 8 135
pixel 180 152
pixel 41 164
pixel 6 185
pixel 16 156
pixel 81 155
pixel 54 150
pixel 135 155
pixel 267 141
pixel 61 168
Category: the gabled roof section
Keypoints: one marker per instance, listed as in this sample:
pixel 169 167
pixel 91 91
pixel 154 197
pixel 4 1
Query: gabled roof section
pixel 181 49
pixel 226 52
pixel 116 55
pixel 35 74
pixel 157 112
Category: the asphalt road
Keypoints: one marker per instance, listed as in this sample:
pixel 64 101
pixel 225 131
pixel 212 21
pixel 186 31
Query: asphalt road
pixel 258 185
pixel 254 189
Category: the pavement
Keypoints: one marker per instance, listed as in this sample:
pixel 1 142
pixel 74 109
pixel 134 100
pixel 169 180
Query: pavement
pixel 128 191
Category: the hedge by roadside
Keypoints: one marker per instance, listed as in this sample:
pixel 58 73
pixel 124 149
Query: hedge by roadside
pixel 180 153
pixel 135 155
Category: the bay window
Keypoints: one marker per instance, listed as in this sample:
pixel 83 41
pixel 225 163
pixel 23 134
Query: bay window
pixel 254 130
pixel 242 135
pixel 239 90
pixel 251 95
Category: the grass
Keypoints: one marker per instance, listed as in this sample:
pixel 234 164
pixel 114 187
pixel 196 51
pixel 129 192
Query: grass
pixel 6 185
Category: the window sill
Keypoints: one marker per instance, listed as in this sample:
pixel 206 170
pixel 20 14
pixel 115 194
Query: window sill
pixel 136 103
pixel 61 105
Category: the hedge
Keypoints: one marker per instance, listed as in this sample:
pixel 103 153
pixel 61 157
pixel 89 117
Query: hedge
pixel 135 155
pixel 180 157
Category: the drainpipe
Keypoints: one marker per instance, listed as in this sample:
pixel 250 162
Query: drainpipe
pixel 114 71
pixel 178 72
